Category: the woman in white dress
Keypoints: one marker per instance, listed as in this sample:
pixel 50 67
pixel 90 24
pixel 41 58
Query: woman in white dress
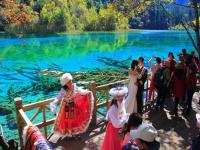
pixel 131 101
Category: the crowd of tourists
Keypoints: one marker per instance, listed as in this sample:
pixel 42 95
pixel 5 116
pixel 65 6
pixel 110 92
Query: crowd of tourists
pixel 176 79
pixel 170 78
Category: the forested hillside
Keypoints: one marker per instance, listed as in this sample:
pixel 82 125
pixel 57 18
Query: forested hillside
pixel 36 16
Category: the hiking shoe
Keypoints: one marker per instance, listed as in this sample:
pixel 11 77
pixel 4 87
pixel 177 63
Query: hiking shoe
pixel 175 113
pixel 187 112
pixel 161 108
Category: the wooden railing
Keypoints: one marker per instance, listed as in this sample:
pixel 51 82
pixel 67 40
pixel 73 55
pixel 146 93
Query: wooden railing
pixel 101 99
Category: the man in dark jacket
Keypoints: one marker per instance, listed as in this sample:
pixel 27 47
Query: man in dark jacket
pixel 142 71
pixel 163 90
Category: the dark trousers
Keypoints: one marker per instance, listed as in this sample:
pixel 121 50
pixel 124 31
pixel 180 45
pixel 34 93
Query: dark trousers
pixel 162 94
pixel 140 99
pixel 190 94
pixel 176 102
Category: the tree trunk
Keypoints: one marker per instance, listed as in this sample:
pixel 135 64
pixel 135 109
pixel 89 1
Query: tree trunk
pixel 196 26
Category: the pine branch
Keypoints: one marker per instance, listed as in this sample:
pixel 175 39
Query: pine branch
pixel 183 24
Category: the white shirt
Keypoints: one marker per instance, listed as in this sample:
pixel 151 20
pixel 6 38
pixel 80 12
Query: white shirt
pixel 117 115
pixel 153 67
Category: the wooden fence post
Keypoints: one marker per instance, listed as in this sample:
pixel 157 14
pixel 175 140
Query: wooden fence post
pixel 44 120
pixel 147 89
pixel 92 87
pixel 107 98
pixel 18 106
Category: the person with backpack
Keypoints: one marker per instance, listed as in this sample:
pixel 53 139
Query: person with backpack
pixel 161 83
pixel 154 68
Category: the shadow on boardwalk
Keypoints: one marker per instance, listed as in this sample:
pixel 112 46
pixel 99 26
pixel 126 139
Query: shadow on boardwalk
pixel 174 132
pixel 91 140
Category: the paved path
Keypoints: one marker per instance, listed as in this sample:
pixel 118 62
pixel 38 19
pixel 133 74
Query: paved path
pixel 174 133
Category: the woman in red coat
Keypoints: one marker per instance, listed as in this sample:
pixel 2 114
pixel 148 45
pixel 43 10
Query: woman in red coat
pixel 179 85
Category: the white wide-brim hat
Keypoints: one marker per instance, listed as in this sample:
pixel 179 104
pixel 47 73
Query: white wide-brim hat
pixel 144 132
pixel 65 78
pixel 118 92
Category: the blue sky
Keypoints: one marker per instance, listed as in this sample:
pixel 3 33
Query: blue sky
pixel 183 1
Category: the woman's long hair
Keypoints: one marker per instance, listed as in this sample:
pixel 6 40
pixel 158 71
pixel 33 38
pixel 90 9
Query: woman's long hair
pixel 170 53
pixel 134 64
pixel 65 87
pixel 114 102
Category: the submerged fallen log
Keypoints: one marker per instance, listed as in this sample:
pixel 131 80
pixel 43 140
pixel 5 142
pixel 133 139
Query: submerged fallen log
pixel 51 72
pixel 115 63
pixel 100 74
pixel 97 75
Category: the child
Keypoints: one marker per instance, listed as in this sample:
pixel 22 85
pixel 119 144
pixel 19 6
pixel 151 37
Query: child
pixel 134 121
pixel 117 117
pixel 144 137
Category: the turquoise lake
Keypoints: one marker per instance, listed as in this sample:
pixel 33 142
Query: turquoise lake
pixel 75 52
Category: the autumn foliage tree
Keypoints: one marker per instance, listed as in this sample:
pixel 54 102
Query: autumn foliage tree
pixel 15 12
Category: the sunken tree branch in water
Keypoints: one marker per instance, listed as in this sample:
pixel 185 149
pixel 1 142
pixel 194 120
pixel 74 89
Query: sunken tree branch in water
pixel 40 84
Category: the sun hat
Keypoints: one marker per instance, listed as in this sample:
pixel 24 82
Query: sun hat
pixel 65 78
pixel 145 132
pixel 118 92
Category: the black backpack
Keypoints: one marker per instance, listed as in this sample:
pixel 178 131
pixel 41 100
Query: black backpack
pixel 159 78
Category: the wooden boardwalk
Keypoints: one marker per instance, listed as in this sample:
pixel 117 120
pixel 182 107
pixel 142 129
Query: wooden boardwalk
pixel 174 133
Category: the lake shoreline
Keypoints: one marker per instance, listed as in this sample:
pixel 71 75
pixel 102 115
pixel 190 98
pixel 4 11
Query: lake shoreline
pixel 12 35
